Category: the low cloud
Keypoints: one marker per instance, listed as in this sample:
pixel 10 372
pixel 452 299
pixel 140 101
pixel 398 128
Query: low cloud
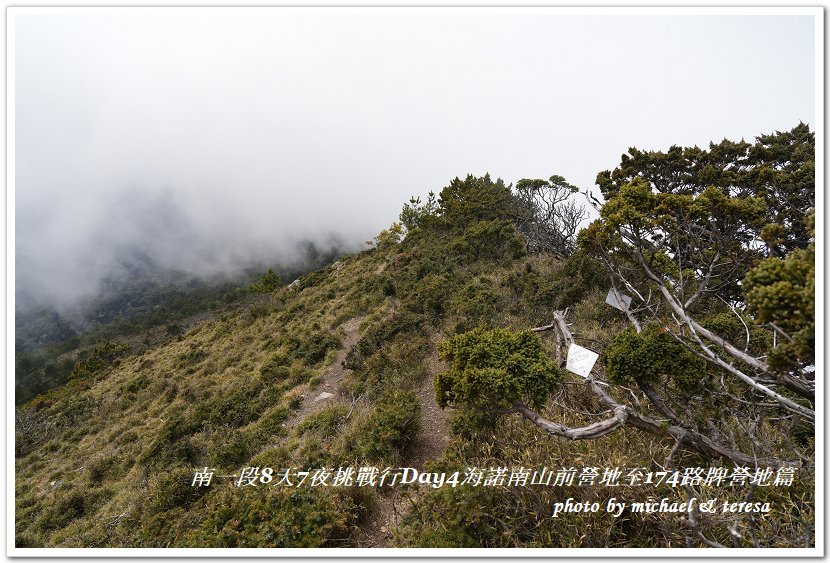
pixel 209 142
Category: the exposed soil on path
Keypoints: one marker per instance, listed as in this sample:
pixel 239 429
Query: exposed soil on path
pixel 388 508
pixel 433 437
pixel 331 377
pixel 430 442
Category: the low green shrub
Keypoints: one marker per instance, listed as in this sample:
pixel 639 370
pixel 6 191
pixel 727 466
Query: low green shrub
pixel 311 347
pixel 268 282
pixel 67 505
pixel 488 241
pixel 386 433
pixel 98 361
pixel 235 408
pixel 495 368
pixel 652 356
pixel 381 332
pixel 273 517
pixel 326 422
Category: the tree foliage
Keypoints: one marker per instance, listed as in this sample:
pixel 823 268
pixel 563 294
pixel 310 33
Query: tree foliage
pixel 692 233
pixel 415 213
pixel 781 292
pixel 548 218
pixel 721 277
pixel 542 211
pixel 465 202
pixel 98 360
pixel 268 282
pixel 652 356
pixel 778 168
pixel 495 368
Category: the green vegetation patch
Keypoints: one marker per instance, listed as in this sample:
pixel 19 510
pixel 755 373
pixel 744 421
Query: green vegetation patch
pixel 495 368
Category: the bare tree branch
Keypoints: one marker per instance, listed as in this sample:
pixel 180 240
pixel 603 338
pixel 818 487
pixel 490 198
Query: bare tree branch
pixel 698 331
pixel 590 432
pixel 689 438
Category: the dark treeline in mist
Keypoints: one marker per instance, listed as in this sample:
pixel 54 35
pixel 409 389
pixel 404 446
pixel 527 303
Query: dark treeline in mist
pixel 141 296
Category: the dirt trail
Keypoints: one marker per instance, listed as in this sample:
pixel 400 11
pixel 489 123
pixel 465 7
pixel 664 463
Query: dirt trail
pixel 430 442
pixel 333 374
pixel 433 437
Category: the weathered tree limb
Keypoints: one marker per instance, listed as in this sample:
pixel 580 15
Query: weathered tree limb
pixel 789 404
pixel 780 331
pixel 691 522
pixel 740 318
pixel 704 285
pixel 659 403
pixel 680 311
pixel 688 438
pixel 713 358
pixel 590 432
pixel 698 331
pixel 797 385
pixel 631 318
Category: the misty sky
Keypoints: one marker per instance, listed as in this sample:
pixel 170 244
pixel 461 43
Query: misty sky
pixel 209 139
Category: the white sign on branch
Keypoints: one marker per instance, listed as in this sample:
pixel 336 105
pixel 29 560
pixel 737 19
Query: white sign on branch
pixel 611 299
pixel 580 360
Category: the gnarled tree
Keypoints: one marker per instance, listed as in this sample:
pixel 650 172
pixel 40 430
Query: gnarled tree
pixel 721 311
pixel 548 217
pixel 682 230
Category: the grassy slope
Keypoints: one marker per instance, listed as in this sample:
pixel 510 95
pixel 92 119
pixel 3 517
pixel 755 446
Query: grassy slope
pixel 100 448
pixel 138 305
